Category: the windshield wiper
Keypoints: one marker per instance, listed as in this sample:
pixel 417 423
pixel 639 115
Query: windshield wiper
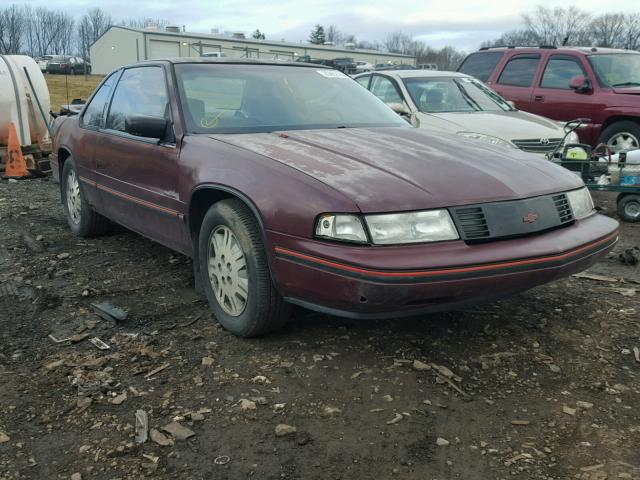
pixel 626 84
pixel 472 103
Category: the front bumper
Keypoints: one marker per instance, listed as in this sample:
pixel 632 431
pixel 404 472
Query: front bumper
pixel 378 282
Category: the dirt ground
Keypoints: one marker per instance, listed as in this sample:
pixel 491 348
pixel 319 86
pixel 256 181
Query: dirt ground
pixel 544 385
pixel 63 87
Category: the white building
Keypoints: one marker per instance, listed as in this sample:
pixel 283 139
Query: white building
pixel 123 45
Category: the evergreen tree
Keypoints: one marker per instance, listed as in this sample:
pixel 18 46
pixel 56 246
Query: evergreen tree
pixel 317 36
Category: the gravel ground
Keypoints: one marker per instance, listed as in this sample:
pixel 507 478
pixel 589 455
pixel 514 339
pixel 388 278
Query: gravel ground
pixel 544 385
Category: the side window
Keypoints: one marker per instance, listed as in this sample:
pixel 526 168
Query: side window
pixel 364 81
pixel 385 90
pixel 480 64
pixel 140 91
pixel 94 112
pixel 559 72
pixel 519 71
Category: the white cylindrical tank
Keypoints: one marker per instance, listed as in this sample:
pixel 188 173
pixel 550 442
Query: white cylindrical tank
pixel 17 102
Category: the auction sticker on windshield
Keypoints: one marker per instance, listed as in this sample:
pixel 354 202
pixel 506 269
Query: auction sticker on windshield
pixel 332 74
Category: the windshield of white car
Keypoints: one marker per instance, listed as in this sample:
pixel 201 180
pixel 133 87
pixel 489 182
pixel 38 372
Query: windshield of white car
pixel 462 94
pixel 617 69
pixel 223 98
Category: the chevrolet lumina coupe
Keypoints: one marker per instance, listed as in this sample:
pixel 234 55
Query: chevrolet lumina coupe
pixel 292 184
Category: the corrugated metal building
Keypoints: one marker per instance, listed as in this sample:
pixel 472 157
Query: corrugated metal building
pixel 122 45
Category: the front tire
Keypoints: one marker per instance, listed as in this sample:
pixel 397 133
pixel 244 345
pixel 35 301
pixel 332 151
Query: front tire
pixel 235 272
pixel 82 219
pixel 621 136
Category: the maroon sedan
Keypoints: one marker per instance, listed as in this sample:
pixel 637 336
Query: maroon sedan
pixel 292 184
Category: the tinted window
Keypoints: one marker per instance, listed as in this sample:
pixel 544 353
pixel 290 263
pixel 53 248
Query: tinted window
pixel 140 91
pixel 480 65
pixel 385 90
pixel 519 71
pixel 559 72
pixel 364 81
pixel 94 112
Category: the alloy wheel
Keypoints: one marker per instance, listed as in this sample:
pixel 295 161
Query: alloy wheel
pixel 74 202
pixel 623 142
pixel 228 273
pixel 632 210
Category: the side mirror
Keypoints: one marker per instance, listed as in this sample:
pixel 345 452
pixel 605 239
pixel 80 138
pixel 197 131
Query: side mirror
pixel 145 126
pixel 399 108
pixel 580 84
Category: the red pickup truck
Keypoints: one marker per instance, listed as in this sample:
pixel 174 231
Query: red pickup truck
pixel 566 83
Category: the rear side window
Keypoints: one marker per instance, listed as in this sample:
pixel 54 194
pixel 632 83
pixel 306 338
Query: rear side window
pixel 480 64
pixel 94 112
pixel 559 72
pixel 364 81
pixel 519 71
pixel 385 90
pixel 140 91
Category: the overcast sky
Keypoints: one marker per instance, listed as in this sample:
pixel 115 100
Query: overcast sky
pixel 463 24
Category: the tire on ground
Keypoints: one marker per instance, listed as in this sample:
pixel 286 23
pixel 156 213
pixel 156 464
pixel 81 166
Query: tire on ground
pixel 629 208
pixel 91 223
pixel 264 310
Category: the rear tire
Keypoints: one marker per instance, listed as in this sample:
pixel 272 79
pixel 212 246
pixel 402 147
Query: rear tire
pixel 82 219
pixel 235 272
pixel 629 208
pixel 621 136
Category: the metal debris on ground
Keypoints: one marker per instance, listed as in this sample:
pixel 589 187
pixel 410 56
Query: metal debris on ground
pixel 222 460
pixel 59 340
pixel 107 311
pixel 596 277
pixel 156 370
pixel 99 343
pixel 630 256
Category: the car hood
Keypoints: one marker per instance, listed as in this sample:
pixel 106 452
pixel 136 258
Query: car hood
pixel 396 169
pixel 514 125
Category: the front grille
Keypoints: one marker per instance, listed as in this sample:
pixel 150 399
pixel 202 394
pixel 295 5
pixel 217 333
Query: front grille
pixel 536 146
pixel 512 218
pixel 564 208
pixel 473 223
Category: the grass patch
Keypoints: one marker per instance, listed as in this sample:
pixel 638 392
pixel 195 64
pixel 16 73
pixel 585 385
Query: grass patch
pixel 78 88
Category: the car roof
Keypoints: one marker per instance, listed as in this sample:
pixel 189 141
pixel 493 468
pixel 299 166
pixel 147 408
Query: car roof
pixel 417 73
pixel 226 60
pixel 585 50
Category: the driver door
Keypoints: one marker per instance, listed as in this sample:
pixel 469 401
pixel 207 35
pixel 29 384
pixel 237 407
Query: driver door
pixel 137 177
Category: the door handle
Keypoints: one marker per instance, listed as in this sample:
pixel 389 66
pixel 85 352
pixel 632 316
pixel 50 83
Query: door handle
pixel 538 98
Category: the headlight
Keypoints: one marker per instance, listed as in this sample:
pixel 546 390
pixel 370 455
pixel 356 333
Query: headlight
pixel 581 203
pixel 414 227
pixel 487 139
pixel 341 227
pixel 572 138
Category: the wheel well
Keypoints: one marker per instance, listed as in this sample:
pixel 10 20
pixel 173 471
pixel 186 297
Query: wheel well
pixel 63 154
pixel 619 118
pixel 200 203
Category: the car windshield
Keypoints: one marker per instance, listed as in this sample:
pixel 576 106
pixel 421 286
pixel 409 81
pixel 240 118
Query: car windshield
pixel 617 69
pixel 219 98
pixel 462 94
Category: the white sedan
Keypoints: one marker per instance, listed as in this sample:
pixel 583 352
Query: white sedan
pixel 457 103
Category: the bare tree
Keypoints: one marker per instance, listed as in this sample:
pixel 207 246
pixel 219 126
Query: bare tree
pixel 333 35
pixel 144 22
pixel 608 30
pixel 557 26
pixel 12 29
pixel 632 31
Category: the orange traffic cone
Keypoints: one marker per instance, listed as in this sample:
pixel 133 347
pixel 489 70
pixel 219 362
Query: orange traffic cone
pixel 16 165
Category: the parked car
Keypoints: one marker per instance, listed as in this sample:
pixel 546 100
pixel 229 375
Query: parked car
pixel 68 66
pixel 362 67
pixel 600 84
pixel 292 184
pixel 460 104
pixel 345 65
pixel 43 61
